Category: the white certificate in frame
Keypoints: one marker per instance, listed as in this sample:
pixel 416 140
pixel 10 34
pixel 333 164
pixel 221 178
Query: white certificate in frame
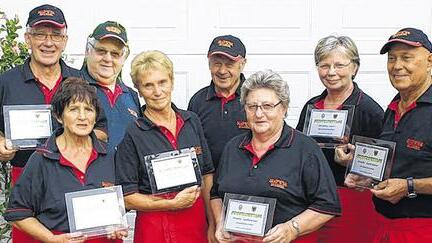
pixel 329 127
pixel 173 171
pixel 27 126
pixel 247 215
pixel 372 162
pixel 96 212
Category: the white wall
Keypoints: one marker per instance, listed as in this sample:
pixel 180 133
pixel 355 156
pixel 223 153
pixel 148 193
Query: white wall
pixel 278 34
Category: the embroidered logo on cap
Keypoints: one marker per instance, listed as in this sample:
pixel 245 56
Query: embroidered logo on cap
pixel 278 183
pixel 225 43
pixel 113 29
pixel 46 12
pixel 414 144
pixel 401 33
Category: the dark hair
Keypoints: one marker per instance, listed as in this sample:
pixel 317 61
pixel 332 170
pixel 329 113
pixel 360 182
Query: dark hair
pixel 72 90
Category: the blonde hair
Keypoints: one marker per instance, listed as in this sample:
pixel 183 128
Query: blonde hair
pixel 148 60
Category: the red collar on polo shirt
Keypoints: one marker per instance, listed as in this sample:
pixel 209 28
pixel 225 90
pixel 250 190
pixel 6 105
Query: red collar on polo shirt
pixel 79 174
pixel 112 96
pixel 394 107
pixel 256 159
pixel 224 99
pixel 320 105
pixel 167 133
pixel 49 93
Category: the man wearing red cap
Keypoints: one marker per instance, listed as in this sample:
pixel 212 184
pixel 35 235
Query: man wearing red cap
pixel 36 81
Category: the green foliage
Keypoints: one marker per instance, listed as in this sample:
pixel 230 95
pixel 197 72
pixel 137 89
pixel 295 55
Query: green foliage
pixel 12 53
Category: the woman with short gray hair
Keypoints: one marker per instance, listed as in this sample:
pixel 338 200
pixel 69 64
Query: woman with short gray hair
pixel 337 61
pixel 274 160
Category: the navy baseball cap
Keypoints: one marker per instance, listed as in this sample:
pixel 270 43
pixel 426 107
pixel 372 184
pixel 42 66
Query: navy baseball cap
pixel 229 46
pixel 408 36
pixel 110 29
pixel 46 14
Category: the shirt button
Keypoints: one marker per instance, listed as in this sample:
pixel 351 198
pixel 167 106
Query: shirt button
pixel 82 177
pixel 225 112
pixel 255 166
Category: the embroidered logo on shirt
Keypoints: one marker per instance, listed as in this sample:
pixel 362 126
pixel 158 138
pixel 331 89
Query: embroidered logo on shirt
pixel 242 125
pixel 198 150
pixel 414 144
pixel 132 112
pixel 106 184
pixel 278 183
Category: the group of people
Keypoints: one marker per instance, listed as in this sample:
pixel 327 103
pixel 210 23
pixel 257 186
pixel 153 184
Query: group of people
pixel 237 128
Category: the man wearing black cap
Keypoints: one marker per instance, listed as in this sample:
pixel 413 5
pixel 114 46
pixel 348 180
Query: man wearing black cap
pixel 106 51
pixel 405 200
pixel 218 105
pixel 36 81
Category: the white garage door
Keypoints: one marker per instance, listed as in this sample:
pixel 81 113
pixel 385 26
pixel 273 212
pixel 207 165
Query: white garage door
pixel 278 34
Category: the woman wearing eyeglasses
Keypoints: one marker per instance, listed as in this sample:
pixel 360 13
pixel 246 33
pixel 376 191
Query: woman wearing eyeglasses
pixel 338 62
pixel 274 160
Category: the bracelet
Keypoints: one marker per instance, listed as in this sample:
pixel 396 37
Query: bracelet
pixel 296 226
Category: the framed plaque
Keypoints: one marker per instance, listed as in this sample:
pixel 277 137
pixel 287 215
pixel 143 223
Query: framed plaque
pixel 27 126
pixel 372 162
pixel 247 216
pixel 329 127
pixel 173 171
pixel 97 212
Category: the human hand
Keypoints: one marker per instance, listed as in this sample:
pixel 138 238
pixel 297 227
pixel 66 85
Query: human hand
pixel 344 154
pixel 281 233
pixel 392 190
pixel 6 151
pixel 186 198
pixel 67 238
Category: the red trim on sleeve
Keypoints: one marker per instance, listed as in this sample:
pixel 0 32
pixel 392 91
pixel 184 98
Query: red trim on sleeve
pixel 255 158
pixel 79 174
pixel 224 100
pixel 172 139
pixel 112 96
pixel 49 93
pixel 394 107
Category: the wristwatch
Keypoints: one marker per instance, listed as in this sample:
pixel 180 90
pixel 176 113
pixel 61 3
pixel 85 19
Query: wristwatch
pixel 411 190
pixel 296 226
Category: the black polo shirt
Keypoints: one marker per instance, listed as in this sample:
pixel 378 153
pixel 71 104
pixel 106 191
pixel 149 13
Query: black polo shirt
pixel 18 86
pixel 367 121
pixel 40 190
pixel 294 171
pixel 413 156
pixel 143 138
pixel 220 122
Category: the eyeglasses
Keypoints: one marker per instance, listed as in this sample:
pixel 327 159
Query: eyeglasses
pixel 40 36
pixel 264 107
pixel 102 52
pixel 336 66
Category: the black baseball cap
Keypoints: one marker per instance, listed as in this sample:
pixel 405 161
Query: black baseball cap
pixel 229 46
pixel 110 29
pixel 46 14
pixel 408 36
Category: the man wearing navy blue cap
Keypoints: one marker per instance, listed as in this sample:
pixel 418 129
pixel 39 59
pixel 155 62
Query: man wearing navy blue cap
pixel 405 200
pixel 106 52
pixel 37 80
pixel 218 105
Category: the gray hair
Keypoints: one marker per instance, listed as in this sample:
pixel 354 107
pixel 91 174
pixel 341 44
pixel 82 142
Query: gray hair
pixel 344 43
pixel 269 80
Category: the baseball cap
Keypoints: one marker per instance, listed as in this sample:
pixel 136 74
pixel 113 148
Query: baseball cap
pixel 229 46
pixel 408 36
pixel 46 14
pixel 110 29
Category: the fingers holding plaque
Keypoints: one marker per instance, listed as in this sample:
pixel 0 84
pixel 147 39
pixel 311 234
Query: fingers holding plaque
pixel 27 126
pixel 372 162
pixel 329 127
pixel 247 217
pixel 173 171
